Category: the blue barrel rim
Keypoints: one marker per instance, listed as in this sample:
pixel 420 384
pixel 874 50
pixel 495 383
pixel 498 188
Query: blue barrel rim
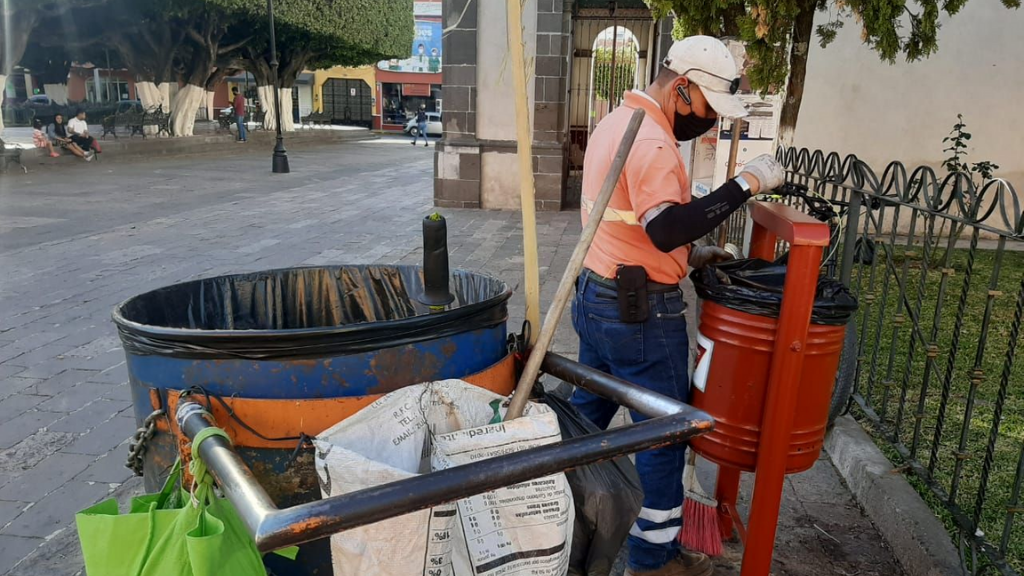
pixel 145 338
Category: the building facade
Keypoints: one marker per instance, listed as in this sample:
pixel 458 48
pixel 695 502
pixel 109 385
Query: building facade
pixel 856 104
pixel 405 85
pixel 475 162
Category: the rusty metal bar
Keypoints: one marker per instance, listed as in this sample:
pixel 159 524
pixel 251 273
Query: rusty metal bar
pixel 672 422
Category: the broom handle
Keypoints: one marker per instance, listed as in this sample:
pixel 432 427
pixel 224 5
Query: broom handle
pixel 690 473
pixel 565 287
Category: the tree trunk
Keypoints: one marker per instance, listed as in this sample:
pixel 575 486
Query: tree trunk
pixel 210 112
pixel 803 28
pixel 57 92
pixel 165 95
pixel 184 108
pixel 3 86
pixel 266 94
pixel 154 95
pixel 287 118
pixel 148 94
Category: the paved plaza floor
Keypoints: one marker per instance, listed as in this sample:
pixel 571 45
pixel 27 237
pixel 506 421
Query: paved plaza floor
pixel 76 241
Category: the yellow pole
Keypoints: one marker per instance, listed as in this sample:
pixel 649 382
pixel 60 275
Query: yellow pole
pixel 524 138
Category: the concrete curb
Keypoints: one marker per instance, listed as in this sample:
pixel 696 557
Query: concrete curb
pixel 132 148
pixel 917 538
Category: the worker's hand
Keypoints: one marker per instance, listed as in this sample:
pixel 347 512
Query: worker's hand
pixel 701 256
pixel 763 173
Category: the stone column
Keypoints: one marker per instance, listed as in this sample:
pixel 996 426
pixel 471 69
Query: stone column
pixel 662 42
pixel 475 164
pixel 554 22
pixel 457 155
pixel 96 83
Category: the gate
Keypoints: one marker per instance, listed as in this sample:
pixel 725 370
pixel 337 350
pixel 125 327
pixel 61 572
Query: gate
pixel 348 101
pixel 604 64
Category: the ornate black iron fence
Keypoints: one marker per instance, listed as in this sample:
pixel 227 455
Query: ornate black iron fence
pixel 938 265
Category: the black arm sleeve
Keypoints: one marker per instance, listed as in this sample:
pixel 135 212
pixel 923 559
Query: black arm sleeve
pixel 682 224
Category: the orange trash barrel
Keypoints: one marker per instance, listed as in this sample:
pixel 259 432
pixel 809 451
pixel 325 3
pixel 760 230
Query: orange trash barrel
pixel 734 359
pixel 737 348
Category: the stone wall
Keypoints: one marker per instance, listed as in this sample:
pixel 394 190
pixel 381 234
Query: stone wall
pixel 457 158
pixel 475 162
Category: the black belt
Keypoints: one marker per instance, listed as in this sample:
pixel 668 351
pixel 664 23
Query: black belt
pixel 652 287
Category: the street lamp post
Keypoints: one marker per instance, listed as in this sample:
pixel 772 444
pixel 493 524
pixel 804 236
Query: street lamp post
pixel 280 164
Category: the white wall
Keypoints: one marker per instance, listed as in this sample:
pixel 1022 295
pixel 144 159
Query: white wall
pixel 496 100
pixel 496 103
pixel 305 100
pixel 855 103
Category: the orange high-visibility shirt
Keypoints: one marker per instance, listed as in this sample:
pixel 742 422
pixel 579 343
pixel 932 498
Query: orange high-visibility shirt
pixel 654 173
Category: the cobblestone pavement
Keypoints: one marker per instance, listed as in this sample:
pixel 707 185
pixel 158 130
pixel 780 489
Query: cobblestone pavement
pixel 76 242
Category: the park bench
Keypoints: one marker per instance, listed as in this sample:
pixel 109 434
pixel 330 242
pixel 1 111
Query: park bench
pixel 18 116
pixel 259 117
pixel 156 118
pixel 8 156
pixel 225 121
pixel 129 121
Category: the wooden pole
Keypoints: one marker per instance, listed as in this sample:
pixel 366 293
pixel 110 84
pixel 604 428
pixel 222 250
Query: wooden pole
pixel 565 287
pixel 734 149
pixel 524 139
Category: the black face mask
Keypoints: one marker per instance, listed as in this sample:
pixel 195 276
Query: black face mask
pixel 690 126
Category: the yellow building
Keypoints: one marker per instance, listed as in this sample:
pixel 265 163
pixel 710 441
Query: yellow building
pixel 348 94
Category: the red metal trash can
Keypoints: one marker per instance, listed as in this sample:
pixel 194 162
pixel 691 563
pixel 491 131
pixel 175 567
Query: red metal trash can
pixel 731 381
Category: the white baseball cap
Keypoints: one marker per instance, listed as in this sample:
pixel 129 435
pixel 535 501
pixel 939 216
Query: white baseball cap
pixel 707 62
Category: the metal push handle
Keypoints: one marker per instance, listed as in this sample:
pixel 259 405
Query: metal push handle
pixel 671 422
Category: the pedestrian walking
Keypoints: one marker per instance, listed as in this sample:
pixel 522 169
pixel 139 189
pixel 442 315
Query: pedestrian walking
pixel 628 308
pixel 421 126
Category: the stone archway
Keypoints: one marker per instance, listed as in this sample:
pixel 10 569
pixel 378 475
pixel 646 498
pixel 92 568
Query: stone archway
pixel 596 36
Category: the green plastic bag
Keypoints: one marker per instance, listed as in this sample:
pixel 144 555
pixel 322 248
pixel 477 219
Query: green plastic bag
pixel 175 532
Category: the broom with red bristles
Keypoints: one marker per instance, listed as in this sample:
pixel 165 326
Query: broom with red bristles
pixel 701 531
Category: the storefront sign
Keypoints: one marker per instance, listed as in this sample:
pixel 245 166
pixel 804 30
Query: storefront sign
pixel 416 89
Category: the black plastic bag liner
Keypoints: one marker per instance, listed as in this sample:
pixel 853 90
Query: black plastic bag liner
pixel 755 286
pixel 303 313
pixel 607 495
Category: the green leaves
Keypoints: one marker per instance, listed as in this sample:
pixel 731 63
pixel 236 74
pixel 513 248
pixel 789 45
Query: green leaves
pixel 957 148
pixel 625 71
pixel 359 31
pixel 892 28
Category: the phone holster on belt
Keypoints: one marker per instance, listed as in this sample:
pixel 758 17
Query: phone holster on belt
pixel 631 282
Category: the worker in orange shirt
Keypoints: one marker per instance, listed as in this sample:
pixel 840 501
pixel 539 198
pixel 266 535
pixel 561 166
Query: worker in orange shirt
pixel 628 309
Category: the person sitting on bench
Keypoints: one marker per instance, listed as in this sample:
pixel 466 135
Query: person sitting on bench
pixel 58 133
pixel 79 130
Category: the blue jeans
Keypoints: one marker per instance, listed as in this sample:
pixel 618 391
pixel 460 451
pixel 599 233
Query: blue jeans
pixel 421 129
pixel 652 354
pixel 241 127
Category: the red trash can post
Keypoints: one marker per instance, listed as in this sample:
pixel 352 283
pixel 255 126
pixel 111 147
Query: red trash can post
pixel 807 239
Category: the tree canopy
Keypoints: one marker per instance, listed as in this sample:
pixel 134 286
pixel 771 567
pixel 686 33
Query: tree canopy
pixel 163 40
pixel 200 42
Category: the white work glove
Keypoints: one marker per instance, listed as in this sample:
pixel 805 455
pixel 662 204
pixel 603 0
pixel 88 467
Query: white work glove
pixel 767 171
pixel 701 256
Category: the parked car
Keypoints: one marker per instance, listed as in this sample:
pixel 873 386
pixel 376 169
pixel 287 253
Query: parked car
pixel 39 99
pixel 434 127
